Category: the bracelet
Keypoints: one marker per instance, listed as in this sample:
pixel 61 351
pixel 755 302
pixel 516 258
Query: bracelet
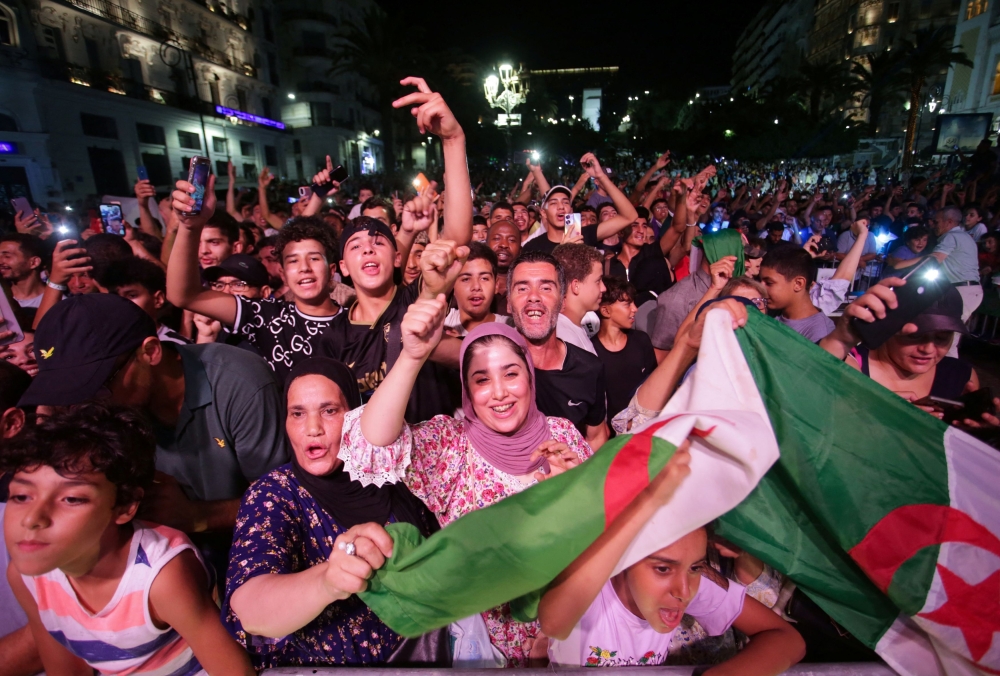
pixel 57 287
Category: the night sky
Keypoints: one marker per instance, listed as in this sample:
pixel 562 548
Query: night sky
pixel 663 43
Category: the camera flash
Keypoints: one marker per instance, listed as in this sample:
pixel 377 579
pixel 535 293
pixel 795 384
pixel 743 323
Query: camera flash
pixel 932 275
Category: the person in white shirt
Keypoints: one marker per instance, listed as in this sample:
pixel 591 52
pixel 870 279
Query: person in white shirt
pixel 973 223
pixel 474 291
pixel 365 193
pixel 629 619
pixel 584 267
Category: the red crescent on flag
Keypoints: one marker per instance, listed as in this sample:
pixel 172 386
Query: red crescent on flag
pixel 904 531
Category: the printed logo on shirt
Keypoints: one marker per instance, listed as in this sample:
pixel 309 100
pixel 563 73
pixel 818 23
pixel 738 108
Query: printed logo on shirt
pixel 609 658
pixel 574 403
pixel 220 442
pixel 47 353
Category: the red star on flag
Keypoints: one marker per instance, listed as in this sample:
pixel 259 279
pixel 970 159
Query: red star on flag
pixel 974 609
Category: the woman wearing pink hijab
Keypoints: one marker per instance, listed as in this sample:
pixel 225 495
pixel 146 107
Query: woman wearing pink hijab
pixel 503 444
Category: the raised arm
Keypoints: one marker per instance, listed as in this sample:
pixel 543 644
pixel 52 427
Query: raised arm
pixel 626 211
pixel 183 279
pixel 572 593
pixel 322 186
pixel 434 116
pixel 579 185
pixel 66 261
pixel 144 191
pixel 263 181
pixel 231 194
pixel 422 328
pixel 661 163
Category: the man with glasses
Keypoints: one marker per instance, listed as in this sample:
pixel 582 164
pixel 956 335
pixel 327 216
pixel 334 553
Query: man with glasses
pixel 216 410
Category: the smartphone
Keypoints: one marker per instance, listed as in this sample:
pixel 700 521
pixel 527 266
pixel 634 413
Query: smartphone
pixel 8 319
pixel 924 285
pixel 198 174
pixel 143 174
pixel 111 219
pixel 305 192
pixel 421 182
pixel 573 225
pixel 292 200
pixel 339 174
pixel 23 205
pixel 972 405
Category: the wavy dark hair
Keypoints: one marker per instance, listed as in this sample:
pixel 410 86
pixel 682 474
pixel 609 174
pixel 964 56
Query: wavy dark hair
pixel 113 440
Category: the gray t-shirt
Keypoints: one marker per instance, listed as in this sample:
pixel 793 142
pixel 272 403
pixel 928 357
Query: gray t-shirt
pixel 815 328
pixel 231 425
pixel 962 263
pixel 673 306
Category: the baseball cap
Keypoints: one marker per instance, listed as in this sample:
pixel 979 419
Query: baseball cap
pixel 77 344
pixel 557 189
pixel 945 314
pixel 372 226
pixel 242 267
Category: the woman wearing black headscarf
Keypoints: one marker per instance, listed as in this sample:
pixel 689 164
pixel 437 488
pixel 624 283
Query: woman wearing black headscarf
pixel 307 537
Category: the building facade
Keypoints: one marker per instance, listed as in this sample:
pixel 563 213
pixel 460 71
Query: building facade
pixel 97 89
pixel 772 45
pixel 976 89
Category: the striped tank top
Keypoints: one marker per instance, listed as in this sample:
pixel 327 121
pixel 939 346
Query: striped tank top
pixel 121 638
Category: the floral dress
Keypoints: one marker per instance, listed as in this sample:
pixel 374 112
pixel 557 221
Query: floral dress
pixel 281 529
pixel 440 467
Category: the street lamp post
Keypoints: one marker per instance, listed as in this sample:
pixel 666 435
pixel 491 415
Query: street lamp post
pixel 515 90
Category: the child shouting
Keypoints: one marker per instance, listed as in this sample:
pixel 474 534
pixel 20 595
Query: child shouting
pixel 629 619
pixel 101 590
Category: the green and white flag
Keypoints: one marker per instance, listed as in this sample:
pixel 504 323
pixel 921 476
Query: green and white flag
pixel 886 517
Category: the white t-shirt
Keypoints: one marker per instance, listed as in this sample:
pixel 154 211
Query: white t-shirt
pixel 454 321
pixel 609 635
pixel 34 301
pixel 569 332
pixel 977 231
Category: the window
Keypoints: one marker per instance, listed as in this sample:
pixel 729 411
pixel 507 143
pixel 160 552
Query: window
pixel 158 167
pixel 247 148
pixel 975 8
pixel 93 53
pixel 52 41
pixel 221 167
pixel 185 167
pixel 249 171
pixel 296 146
pixel 241 98
pixel 893 12
pixel 271 155
pixel 8 27
pixel 189 140
pixel 98 125
pixel 272 68
pixel 320 114
pixel 265 104
pixel 219 145
pixel 150 133
pixel 265 17
pixel 996 81
pixel 313 40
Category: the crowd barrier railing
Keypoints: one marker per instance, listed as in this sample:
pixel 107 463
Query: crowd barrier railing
pixel 826 669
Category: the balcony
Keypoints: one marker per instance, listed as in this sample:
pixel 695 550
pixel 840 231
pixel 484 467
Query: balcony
pixel 222 59
pixel 217 9
pixel 126 18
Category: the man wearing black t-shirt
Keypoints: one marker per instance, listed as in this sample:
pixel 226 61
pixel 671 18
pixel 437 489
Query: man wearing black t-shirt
pixel 559 201
pixel 570 380
pixel 366 336
pixel 282 331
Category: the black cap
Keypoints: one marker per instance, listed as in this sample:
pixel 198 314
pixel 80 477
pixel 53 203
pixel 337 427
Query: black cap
pixel 77 344
pixel 372 226
pixel 242 267
pixel 945 314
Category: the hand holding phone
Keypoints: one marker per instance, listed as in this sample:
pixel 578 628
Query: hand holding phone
pixel 111 219
pixel 574 227
pixel 421 183
pixel 10 327
pixel 198 172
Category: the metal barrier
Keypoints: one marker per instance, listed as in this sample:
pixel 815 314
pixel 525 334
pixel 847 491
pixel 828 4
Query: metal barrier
pixel 844 669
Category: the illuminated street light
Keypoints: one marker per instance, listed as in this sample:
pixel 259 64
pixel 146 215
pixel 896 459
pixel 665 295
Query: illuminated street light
pixel 291 96
pixel 776 120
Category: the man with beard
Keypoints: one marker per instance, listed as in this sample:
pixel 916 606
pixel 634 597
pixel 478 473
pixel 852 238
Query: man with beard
pixel 571 381
pixel 505 241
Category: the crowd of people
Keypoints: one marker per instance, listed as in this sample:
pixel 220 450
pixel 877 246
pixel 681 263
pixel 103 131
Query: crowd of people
pixel 208 422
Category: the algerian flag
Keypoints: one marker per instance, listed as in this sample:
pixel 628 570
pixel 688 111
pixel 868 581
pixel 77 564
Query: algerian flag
pixel 513 549
pixel 885 516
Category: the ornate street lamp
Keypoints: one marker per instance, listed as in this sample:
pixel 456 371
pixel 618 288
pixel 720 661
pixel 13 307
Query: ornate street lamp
pixel 515 90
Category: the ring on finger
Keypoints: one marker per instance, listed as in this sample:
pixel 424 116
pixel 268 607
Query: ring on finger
pixel 348 548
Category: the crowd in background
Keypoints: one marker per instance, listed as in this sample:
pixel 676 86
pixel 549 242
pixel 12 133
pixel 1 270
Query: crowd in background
pixel 221 409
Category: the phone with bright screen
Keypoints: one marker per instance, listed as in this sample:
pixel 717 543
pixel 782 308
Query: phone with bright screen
pixel 198 174
pixel 111 219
